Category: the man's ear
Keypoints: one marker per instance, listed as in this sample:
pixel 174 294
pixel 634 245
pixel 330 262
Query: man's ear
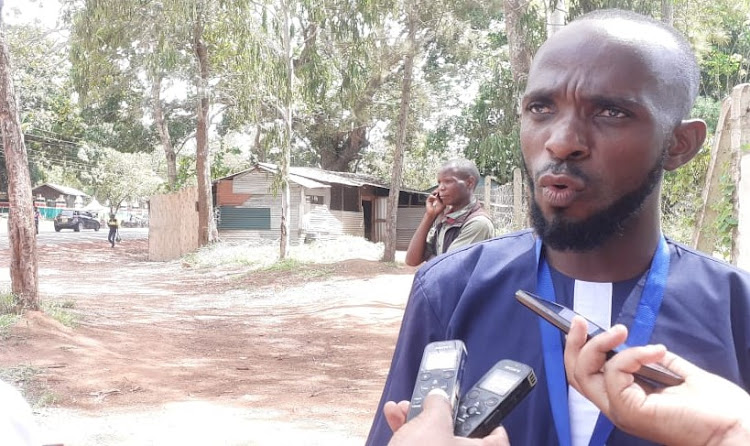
pixel 688 139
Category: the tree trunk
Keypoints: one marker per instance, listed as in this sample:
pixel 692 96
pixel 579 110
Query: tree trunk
pixel 391 222
pixel 556 13
pixel 667 12
pixel 520 53
pixel 286 158
pixel 344 149
pixel 161 126
pixel 24 277
pixel 206 226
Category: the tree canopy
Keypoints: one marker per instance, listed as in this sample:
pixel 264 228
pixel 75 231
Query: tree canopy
pixel 309 83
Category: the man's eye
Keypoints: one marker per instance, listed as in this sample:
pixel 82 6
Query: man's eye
pixel 612 112
pixel 539 108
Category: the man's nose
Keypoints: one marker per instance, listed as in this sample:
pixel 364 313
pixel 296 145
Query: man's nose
pixel 567 139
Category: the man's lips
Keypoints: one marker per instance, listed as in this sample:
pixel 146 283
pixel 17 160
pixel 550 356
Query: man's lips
pixel 560 181
pixel 560 190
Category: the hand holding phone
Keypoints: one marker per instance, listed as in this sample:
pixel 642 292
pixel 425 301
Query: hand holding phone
pixel 560 316
pixel 435 204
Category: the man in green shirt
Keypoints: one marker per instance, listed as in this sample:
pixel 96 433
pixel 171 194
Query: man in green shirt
pixel 453 217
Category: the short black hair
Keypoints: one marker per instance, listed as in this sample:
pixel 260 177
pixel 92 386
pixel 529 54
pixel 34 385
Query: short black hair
pixel 687 73
pixel 463 167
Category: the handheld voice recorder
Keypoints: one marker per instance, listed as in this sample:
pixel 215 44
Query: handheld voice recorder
pixel 441 368
pixel 484 406
pixel 561 316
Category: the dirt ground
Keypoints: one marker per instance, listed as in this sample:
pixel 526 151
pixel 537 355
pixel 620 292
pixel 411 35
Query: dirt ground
pixel 168 353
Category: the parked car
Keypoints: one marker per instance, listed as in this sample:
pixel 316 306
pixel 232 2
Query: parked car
pixel 76 220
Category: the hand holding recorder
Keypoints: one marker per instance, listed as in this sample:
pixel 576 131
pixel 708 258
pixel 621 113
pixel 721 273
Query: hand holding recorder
pixel 480 410
pixel 434 426
pixel 704 409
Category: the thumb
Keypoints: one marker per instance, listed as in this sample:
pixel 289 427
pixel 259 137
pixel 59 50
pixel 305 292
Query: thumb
pixel 437 410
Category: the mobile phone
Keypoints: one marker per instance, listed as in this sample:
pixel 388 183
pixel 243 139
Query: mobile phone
pixel 485 405
pixel 561 316
pixel 442 367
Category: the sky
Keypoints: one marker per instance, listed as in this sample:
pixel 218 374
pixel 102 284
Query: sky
pixel 18 12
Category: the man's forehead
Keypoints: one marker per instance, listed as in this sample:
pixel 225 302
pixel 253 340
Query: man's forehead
pixel 597 34
pixel 592 52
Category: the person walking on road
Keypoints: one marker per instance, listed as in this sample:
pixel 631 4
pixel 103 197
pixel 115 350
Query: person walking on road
pixel 113 226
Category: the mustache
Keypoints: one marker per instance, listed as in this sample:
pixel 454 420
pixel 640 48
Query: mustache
pixel 561 168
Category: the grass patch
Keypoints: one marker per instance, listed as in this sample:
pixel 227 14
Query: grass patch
pixel 287 264
pixel 316 273
pixel 28 381
pixel 7 315
pixel 298 268
pixel 7 321
pixel 264 254
pixel 59 312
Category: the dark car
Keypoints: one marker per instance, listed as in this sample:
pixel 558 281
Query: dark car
pixel 76 220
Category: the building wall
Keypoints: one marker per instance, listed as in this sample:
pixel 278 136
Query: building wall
pixel 225 196
pixel 352 223
pixel 51 197
pixel 255 187
pixel 173 225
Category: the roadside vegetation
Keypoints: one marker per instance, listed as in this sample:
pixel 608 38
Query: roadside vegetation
pixel 263 255
pixel 31 382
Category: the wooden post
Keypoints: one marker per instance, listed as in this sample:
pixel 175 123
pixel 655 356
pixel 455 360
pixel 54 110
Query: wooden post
pixel 488 193
pixel 729 139
pixel 740 139
pixel 518 217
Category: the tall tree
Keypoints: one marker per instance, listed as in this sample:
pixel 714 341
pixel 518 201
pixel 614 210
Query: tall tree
pixel 518 45
pixel 667 12
pixel 389 254
pixel 114 62
pixel 206 226
pixel 116 176
pixel 21 230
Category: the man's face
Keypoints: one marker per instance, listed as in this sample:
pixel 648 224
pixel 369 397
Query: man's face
pixel 592 137
pixel 453 189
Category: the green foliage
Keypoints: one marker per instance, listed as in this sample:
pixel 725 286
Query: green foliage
pixel 492 127
pixel 707 109
pixel 59 311
pixel 27 379
pixel 118 176
pixel 720 32
pixel 682 196
pixel 726 219
pixel 49 118
pixel 579 7
pixel 8 313
pixel 682 189
pixel 288 264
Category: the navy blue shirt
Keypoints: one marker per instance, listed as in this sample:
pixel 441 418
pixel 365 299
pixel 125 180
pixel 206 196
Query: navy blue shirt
pixel 468 294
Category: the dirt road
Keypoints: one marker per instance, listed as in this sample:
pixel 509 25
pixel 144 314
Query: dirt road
pixel 167 353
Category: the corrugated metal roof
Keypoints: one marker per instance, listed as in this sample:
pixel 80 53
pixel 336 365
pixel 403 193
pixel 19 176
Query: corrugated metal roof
pixel 319 176
pixel 306 182
pixel 65 190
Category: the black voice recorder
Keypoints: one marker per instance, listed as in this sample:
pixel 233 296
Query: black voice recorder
pixel 492 398
pixel 442 367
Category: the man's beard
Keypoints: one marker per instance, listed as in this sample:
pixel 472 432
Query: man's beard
pixel 588 234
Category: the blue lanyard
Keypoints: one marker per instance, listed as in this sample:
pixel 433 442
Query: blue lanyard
pixel 638 334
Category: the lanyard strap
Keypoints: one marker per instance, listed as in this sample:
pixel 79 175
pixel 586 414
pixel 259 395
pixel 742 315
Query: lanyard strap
pixel 639 334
